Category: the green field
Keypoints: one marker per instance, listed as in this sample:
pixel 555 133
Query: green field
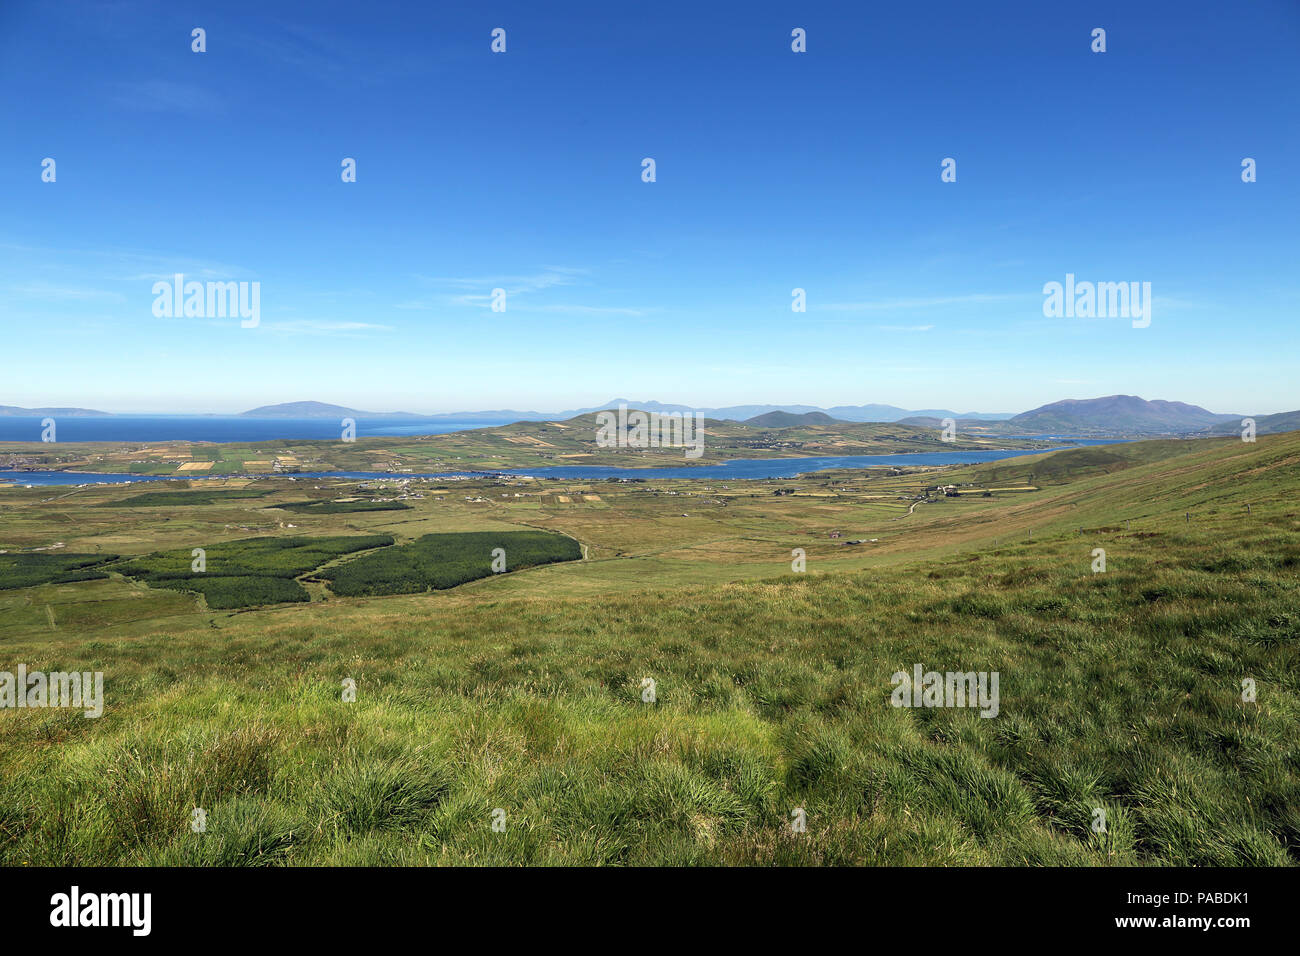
pixel 440 561
pixel 31 569
pixel 1121 691
pixel 173 499
pixel 519 445
pixel 341 507
pixel 247 573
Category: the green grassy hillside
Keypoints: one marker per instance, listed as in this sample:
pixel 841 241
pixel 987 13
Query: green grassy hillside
pixel 1121 691
pixel 1264 424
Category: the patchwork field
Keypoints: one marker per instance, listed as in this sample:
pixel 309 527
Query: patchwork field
pixel 673 689
pixel 520 445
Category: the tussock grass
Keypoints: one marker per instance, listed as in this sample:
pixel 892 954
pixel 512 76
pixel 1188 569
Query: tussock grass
pixel 1120 692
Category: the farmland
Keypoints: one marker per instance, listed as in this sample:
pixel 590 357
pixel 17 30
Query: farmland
pixel 519 445
pixel 246 573
pixel 439 561
pixel 1121 691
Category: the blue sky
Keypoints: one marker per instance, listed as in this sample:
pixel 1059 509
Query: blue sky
pixel 522 170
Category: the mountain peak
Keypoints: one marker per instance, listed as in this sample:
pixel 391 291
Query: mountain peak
pixel 316 410
pixel 1119 414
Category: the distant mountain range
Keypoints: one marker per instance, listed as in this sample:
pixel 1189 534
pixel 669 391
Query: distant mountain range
pixel 1127 413
pixel 844 413
pixel 790 419
pixel 65 412
pixel 320 410
pixel 1116 415
pixel 735 413
pixel 1264 424
pixel 1112 415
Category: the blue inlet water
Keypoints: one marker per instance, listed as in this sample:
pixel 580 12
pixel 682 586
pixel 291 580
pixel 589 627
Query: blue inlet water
pixel 741 469
pixel 736 470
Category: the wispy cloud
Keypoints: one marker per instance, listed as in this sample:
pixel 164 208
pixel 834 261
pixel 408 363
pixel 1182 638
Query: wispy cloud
pixel 341 59
pixel 157 265
pixel 888 305
pixel 165 96
pixel 324 327
pixel 49 290
pixel 537 281
pixel 1169 302
pixel 477 290
pixel 587 309
pixel 199 272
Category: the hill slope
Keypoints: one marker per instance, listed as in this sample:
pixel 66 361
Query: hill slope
pixel 1120 691
pixel 789 419
pixel 18 411
pixel 1118 415
pixel 316 410
pixel 1264 424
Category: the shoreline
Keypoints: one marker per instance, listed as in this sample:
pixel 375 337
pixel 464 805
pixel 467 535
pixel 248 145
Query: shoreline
pixel 592 472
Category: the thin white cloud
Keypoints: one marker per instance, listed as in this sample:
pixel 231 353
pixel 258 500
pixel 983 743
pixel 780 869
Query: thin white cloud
pixel 587 309
pixel 157 265
pixel 49 290
pixel 165 96
pixel 324 326
pixel 477 290
pixel 513 284
pixel 886 305
pixel 338 60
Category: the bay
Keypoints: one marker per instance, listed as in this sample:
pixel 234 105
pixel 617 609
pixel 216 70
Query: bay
pixel 742 469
